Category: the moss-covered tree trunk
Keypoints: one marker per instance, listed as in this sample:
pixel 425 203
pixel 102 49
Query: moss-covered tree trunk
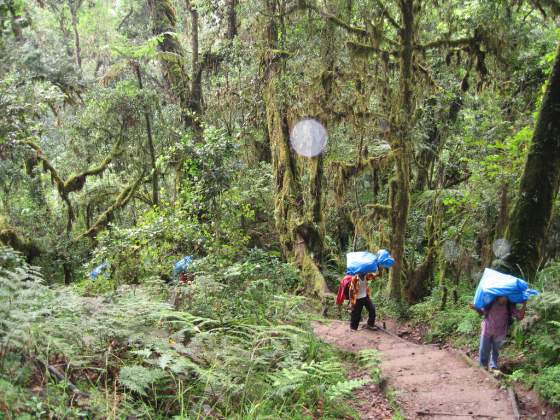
pixel 298 181
pixel 172 56
pixel 532 211
pixel 297 210
pixel 195 100
pixel 150 138
pixel 15 21
pixel 231 19
pixel 74 6
pixel 400 187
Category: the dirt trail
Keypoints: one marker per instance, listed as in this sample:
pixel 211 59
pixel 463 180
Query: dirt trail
pixel 429 383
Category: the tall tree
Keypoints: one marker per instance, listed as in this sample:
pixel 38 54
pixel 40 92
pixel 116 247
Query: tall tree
pixel 172 57
pixel 396 34
pixel 195 101
pixel 298 180
pixel 532 211
pixel 231 19
pixel 74 6
pixel 401 144
pixel 149 136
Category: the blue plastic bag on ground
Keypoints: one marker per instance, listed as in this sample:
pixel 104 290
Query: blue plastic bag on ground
pixel 494 284
pixel 384 259
pixel 98 270
pixel 182 265
pixel 361 263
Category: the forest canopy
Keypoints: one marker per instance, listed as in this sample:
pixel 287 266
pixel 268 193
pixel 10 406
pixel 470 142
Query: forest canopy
pixel 134 133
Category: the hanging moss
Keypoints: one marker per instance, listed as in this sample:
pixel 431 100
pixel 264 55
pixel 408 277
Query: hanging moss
pixel 11 237
pixel 297 205
pixel 107 216
pixel 75 182
pixel 342 172
pixel 30 164
pixel 378 211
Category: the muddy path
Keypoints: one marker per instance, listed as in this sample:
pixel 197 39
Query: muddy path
pixel 429 383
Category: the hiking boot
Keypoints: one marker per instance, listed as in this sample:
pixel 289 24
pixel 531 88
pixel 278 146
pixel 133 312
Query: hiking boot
pixel 371 327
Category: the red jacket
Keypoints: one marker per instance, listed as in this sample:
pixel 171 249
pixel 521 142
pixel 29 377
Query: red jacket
pixel 352 282
pixel 343 283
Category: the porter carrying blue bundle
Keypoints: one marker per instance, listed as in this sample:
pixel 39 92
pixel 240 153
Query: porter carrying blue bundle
pixel 182 265
pixel 494 284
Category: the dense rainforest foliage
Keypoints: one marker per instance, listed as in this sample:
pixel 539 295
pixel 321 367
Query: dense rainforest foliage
pixel 136 132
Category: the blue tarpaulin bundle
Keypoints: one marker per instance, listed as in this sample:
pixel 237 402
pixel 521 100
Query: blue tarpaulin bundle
pixel 366 262
pixel 384 259
pixel 494 284
pixel 98 270
pixel 182 265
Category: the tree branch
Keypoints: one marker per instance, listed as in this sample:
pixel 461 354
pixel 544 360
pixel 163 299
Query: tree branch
pixel 75 182
pixel 445 43
pixel 125 19
pixel 47 165
pixel 336 20
pixel 344 171
pixel 378 211
pixel 122 200
pixel 454 182
pixel 385 12
pixel 361 48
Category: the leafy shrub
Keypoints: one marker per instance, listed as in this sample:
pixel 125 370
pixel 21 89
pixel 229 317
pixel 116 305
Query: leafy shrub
pixel 547 384
pixel 21 297
pixel 236 346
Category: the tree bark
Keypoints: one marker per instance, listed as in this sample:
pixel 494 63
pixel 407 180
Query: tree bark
pixel 68 273
pixel 231 19
pixel 501 224
pixel 297 206
pixel 74 6
pixel 164 24
pixel 532 211
pixel 151 148
pixel 400 196
pixel 14 17
pixel 195 101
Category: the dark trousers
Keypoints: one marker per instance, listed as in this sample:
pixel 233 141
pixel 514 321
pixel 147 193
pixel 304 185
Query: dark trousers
pixel 356 314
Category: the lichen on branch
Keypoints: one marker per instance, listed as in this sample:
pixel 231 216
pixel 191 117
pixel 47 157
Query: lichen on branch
pixel 107 216
pixel 76 181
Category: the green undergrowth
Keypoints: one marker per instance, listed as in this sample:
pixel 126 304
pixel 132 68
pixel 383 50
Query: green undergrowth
pixel 233 344
pixel 532 351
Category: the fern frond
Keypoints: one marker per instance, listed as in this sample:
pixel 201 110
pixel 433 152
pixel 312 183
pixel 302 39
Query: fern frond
pixel 345 388
pixel 138 378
